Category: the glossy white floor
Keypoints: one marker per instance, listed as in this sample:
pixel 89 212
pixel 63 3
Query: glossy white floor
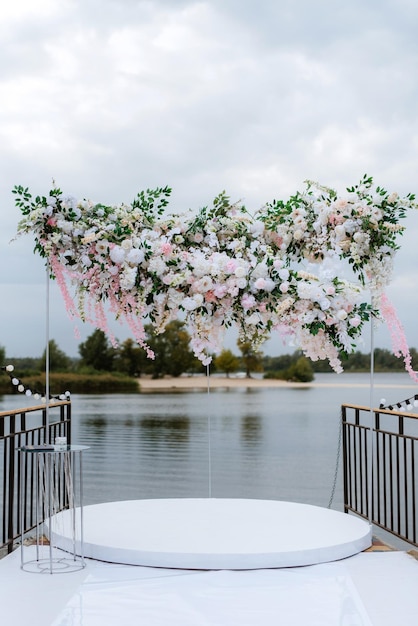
pixel 368 589
pixel 245 549
pixel 214 533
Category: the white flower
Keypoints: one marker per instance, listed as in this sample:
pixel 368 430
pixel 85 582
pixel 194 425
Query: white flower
pixel 198 298
pixel 240 271
pixel 117 254
pixel 89 237
pixel 284 274
pixel 342 314
pixel 102 247
pixel 135 256
pixel 340 231
pixel 48 211
pixel 127 280
pixel 189 304
pixel 126 244
pixel 157 266
pixel 256 228
pixel 204 284
pixel 392 198
pixel 65 226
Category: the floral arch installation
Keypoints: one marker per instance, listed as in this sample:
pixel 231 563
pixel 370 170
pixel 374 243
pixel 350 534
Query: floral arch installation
pixel 276 270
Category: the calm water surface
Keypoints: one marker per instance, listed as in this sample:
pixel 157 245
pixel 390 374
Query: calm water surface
pixel 249 443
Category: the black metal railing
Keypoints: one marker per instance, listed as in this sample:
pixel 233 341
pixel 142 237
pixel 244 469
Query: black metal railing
pixel 380 449
pixel 18 480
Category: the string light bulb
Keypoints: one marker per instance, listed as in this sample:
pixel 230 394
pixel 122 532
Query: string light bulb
pixel 28 392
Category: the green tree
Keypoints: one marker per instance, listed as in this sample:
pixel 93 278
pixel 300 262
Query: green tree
pixel 251 358
pixel 2 356
pixel 227 362
pixel 301 371
pixel 58 360
pixel 96 352
pixel 277 363
pixel 171 348
pixel 131 359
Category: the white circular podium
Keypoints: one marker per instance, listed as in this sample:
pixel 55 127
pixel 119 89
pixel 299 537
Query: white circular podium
pixel 212 533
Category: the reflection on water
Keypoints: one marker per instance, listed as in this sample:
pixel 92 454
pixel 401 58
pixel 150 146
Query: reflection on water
pixel 175 429
pixel 251 429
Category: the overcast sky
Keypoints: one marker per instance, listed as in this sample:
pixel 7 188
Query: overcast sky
pixel 108 97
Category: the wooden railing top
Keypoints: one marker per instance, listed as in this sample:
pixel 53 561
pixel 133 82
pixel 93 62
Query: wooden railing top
pixel 30 409
pixel 378 410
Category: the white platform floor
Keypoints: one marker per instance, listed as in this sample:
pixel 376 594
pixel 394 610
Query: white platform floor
pixel 211 533
pixel 368 589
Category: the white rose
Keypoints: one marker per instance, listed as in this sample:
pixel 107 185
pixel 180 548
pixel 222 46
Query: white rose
pixel 135 256
pixel 392 198
pixel 126 244
pixel 284 274
pixel 340 231
pixel 240 272
pixel 342 314
pixel 117 255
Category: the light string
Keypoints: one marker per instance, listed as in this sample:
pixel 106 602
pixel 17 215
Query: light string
pixel 21 388
pixel 404 405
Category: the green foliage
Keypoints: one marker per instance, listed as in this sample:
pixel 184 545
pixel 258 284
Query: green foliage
pixel 299 369
pixel 74 383
pixel 252 359
pixel 130 359
pixel 96 352
pixel 152 203
pixel 279 363
pixel 173 356
pixel 384 361
pixel 58 360
pixel 226 362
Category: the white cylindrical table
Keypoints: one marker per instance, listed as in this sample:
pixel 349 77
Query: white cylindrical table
pixel 58 482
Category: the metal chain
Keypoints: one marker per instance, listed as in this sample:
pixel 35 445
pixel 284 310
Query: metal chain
pixel 337 463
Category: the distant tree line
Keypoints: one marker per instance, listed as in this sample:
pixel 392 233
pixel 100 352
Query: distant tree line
pixel 174 357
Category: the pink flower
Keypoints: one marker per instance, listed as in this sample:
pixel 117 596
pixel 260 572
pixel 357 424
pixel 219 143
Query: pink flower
pixel 220 290
pixel 210 296
pixel 231 266
pixel 247 301
pixel 260 283
pixel 166 248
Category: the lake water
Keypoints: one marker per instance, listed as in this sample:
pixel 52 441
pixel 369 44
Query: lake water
pixel 277 443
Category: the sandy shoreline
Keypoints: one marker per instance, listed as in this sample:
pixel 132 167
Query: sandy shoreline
pixel 191 383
